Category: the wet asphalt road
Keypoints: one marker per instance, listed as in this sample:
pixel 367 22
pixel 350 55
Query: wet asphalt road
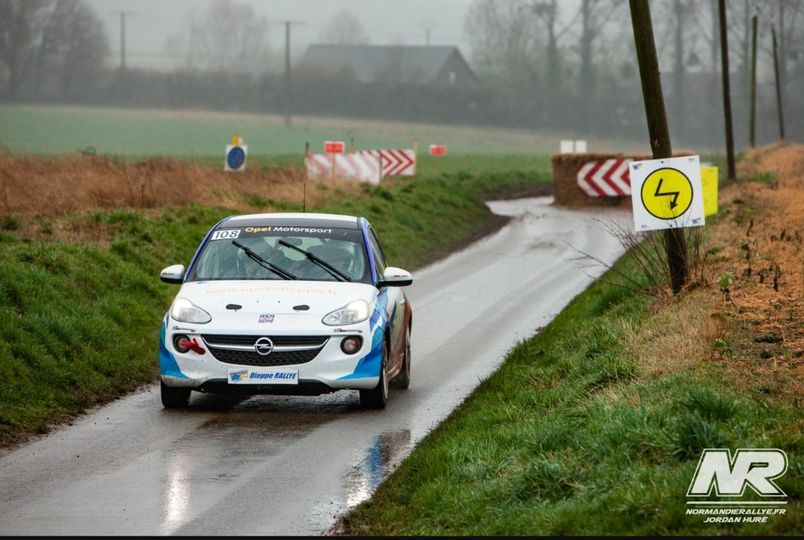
pixel 291 465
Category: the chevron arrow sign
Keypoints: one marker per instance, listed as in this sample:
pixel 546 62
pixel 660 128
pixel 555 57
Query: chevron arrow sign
pixel 605 178
pixel 397 162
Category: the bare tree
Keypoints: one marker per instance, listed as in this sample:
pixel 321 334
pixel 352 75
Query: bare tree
pixel 82 45
pixel 681 14
pixel 50 47
pixel 547 12
pixel 21 24
pixel 503 37
pixel 788 18
pixel 226 37
pixel 344 29
pixel 595 16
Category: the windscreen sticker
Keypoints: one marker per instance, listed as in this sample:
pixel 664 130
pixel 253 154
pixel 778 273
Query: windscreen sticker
pixel 296 230
pixel 225 234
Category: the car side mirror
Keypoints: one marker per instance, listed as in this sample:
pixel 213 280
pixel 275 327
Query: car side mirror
pixel 395 277
pixel 173 274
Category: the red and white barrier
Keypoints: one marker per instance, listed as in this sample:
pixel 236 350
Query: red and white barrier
pixel 363 166
pixel 608 178
pixel 366 166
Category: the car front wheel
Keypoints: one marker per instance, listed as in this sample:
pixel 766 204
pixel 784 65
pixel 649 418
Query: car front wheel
pixel 377 397
pixel 174 398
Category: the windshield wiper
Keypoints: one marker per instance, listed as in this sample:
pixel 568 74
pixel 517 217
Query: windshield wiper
pixel 334 272
pixel 284 274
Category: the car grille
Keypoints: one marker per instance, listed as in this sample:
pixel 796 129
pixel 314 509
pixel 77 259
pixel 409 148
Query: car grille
pixel 245 358
pixel 299 349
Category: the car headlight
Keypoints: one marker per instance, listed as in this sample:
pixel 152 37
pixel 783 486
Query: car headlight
pixel 352 313
pixel 185 311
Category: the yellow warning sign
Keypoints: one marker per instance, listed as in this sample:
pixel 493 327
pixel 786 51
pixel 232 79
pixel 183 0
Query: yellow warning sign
pixel 709 182
pixel 667 193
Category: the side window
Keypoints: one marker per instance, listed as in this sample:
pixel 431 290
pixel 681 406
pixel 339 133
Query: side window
pixel 376 249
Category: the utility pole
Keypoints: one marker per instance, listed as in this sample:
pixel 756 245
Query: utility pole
pixel 674 242
pixel 778 84
pixel 753 132
pixel 428 27
pixel 191 47
pixel 288 80
pixel 123 37
pixel 679 75
pixel 724 67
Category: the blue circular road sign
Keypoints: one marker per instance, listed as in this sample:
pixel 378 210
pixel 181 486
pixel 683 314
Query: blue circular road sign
pixel 236 157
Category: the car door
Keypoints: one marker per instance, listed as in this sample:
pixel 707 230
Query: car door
pixel 395 306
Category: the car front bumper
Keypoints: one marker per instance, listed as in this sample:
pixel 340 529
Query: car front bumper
pixel 331 369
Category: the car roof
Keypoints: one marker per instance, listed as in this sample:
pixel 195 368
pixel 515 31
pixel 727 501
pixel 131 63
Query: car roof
pixel 292 220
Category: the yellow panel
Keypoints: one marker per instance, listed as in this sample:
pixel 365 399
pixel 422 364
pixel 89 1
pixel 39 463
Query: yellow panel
pixel 709 182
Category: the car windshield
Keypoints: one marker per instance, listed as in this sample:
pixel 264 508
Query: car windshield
pixel 221 259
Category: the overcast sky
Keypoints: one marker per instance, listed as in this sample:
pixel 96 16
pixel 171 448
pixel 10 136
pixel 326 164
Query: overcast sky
pixel 385 22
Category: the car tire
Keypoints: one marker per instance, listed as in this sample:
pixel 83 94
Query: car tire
pixel 377 397
pixel 174 398
pixel 402 379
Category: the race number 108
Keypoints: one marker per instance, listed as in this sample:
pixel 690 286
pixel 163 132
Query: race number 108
pixel 225 234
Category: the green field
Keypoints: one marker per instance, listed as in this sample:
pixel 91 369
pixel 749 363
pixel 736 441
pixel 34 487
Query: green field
pixel 60 129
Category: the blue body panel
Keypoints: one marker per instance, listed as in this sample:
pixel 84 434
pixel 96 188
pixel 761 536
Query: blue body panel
pixel 167 362
pixel 369 365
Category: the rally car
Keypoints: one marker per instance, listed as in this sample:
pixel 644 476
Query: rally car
pixel 286 304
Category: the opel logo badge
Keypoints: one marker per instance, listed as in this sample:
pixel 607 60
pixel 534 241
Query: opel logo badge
pixel 264 346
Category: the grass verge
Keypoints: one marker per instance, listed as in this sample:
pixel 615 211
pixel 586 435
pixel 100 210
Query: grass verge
pixel 596 425
pixel 80 300
pixel 574 436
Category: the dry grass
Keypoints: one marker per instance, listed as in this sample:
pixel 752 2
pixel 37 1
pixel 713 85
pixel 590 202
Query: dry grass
pixel 678 335
pixel 756 333
pixel 66 185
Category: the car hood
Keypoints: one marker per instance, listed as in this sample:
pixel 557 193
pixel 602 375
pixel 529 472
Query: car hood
pixel 276 298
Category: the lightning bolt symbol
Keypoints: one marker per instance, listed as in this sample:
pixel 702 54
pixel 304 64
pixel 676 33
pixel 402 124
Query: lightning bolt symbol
pixel 675 194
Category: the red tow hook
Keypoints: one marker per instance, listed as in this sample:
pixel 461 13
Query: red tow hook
pixel 193 345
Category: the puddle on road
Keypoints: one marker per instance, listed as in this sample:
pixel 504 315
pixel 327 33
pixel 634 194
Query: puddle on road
pixel 378 461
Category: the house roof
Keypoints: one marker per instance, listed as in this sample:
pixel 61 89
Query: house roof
pixel 369 61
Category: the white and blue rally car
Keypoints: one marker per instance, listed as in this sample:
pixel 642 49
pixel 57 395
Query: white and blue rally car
pixel 286 304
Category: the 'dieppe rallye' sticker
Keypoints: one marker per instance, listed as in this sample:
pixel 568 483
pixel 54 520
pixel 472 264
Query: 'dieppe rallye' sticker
pixel 264 376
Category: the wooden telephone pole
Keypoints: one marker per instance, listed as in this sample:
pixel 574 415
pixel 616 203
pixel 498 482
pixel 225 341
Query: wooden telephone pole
pixel 724 67
pixel 123 37
pixel 779 104
pixel 753 130
pixel 288 80
pixel 674 242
